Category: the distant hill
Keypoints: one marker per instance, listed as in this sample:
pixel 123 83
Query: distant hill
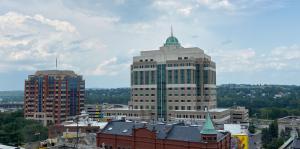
pixel 114 95
pixel 10 96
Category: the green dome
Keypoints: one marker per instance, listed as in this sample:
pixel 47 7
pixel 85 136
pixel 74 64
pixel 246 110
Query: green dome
pixel 172 41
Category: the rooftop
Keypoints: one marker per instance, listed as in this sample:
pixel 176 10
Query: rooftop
pixel 177 131
pixel 218 110
pixel 290 118
pixel 84 124
pixel 55 72
pixel 236 129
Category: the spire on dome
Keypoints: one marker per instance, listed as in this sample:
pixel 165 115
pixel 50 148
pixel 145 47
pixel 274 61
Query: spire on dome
pixel 171 31
pixel 172 40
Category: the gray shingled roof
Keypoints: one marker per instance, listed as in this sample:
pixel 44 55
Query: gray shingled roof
pixel 296 143
pixel 185 133
pixel 163 131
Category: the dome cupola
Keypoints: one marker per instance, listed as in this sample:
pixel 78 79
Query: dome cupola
pixel 172 40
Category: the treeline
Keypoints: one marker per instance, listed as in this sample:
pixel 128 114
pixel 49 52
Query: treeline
pixel 266 101
pixel 11 96
pixel 263 101
pixel 114 95
pixel 15 130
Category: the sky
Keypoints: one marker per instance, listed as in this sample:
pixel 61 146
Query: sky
pixel 252 42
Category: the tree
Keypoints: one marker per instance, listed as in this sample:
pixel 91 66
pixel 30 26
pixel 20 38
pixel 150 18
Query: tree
pixel 273 128
pixel 251 128
pixel 270 138
pixel 275 143
pixel 16 130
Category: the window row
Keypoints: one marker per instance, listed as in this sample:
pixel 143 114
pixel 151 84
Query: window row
pixel 186 107
pixel 193 116
pixel 143 94
pixel 141 107
pixel 170 88
pixel 144 66
pixel 141 100
pixel 181 64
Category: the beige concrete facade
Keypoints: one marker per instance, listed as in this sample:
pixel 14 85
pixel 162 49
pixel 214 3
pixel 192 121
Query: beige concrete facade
pixel 239 115
pixel 171 84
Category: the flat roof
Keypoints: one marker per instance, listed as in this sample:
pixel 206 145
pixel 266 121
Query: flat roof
pixel 218 110
pixel 235 129
pixel 91 123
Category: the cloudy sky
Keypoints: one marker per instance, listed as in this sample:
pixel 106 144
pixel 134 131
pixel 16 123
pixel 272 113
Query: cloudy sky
pixel 252 41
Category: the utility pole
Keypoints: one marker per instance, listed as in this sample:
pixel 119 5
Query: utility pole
pixel 77 138
pixel 76 118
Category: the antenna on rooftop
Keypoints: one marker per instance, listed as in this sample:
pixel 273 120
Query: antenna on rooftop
pixel 56 63
pixel 171 30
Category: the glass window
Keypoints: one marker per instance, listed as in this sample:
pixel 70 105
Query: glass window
pixel 170 76
pixel 182 107
pixel 176 107
pixel 182 76
pixel 175 76
pixel 147 73
pixel 152 77
pixel 189 76
pixel 135 76
pixel 141 77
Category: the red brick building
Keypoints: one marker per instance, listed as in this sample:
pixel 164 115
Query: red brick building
pixel 130 135
pixel 53 96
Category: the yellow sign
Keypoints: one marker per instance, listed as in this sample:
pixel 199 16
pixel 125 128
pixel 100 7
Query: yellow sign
pixel 69 135
pixel 240 141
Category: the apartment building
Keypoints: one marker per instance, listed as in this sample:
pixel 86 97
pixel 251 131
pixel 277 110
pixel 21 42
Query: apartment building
pixel 53 96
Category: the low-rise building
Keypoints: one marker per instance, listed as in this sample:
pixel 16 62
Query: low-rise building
pixel 69 129
pixel 286 124
pixel 219 116
pixel 239 115
pixel 293 142
pixel 94 111
pixel 131 135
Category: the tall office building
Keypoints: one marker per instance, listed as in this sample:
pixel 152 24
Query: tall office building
pixel 53 96
pixel 172 79
pixel 172 84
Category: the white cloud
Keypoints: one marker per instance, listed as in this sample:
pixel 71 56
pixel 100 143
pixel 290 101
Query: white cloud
pixel 217 4
pixel 188 7
pixel 170 6
pixel 14 19
pixel 286 52
pixel 31 42
pixel 247 60
pixel 59 25
pixel 109 67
